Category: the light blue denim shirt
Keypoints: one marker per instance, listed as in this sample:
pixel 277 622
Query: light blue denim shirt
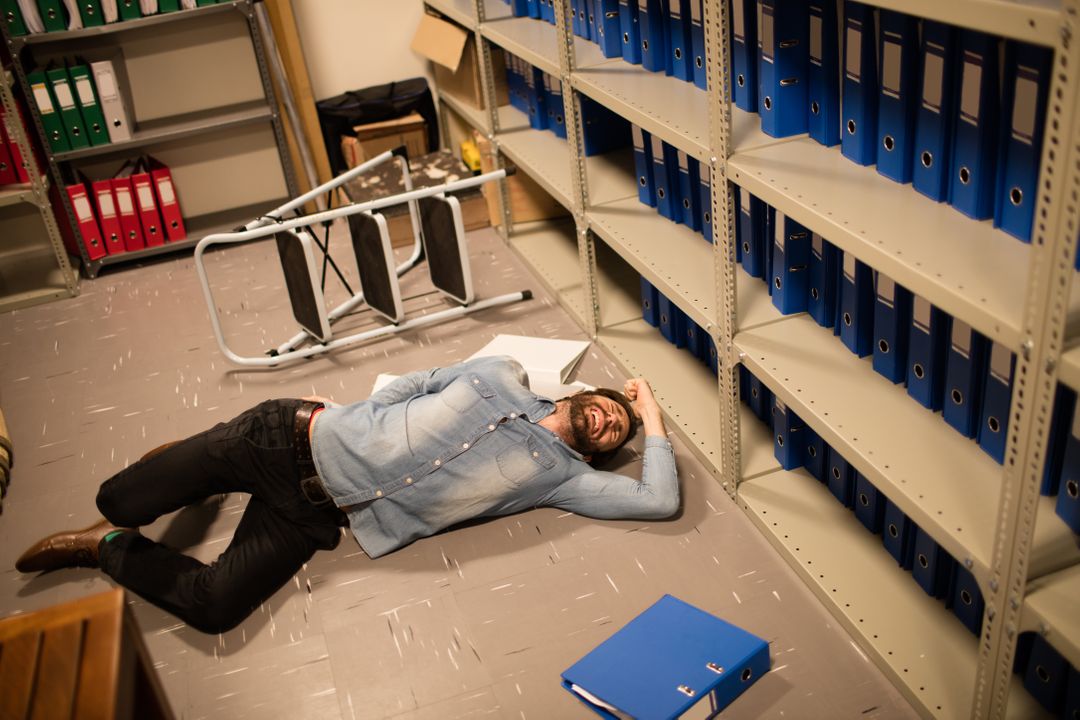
pixel 438 447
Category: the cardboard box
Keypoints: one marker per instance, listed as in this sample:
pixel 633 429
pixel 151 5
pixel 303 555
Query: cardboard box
pixel 453 51
pixel 378 137
pixel 528 201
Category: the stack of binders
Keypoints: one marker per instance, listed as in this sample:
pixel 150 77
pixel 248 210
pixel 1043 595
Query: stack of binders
pixel 796 444
pixel 673 182
pixel 25 17
pixel 80 104
pixel 13 166
pixel 136 208
pixel 676 327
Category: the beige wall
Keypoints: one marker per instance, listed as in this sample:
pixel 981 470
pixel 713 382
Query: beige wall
pixel 353 44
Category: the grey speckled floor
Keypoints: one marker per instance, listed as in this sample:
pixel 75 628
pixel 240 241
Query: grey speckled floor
pixel 476 622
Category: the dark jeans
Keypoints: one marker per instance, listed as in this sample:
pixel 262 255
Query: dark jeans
pixel 279 531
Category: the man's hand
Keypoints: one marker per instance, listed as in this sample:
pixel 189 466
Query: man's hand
pixel 640 394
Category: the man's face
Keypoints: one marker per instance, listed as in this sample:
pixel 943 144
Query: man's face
pixel 598 423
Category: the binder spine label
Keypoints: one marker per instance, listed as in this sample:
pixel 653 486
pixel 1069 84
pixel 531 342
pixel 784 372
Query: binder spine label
pixel 1025 105
pixel 639 141
pixel 886 290
pixel 971 90
pixel 85 90
pixel 165 190
pixel 105 205
pixel 42 99
pixel 123 201
pixel 817 246
pixel 849 267
pixel 920 314
pixel 933 77
pixel 1001 364
pixel 766 42
pixel 892 53
pixel 961 338
pixel 64 97
pixel 815 36
pixel 81 205
pixel 144 196
pixel 853 66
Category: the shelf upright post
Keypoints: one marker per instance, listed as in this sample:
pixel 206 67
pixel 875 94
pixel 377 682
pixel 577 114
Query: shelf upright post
pixel 724 327
pixel 579 185
pixel 1049 280
pixel 491 102
pixel 38 185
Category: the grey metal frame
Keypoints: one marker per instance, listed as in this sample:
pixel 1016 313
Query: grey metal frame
pixel 1039 335
pixel 267 111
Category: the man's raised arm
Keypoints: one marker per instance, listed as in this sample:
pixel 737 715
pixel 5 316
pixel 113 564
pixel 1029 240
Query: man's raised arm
pixel 611 496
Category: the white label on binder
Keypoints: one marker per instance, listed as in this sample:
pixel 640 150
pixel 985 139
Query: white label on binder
pixel 961 337
pixel 81 205
pixel 817 245
pixel 85 90
pixel 684 162
pixel 657 149
pixel 105 204
pixel 42 99
pixel 933 74
pixel 971 89
pixel 779 231
pixel 854 51
pixel 106 85
pixel 1023 114
pixel 695 13
pixel 145 196
pixel 886 289
pixel 1000 361
pixel 63 95
pixel 165 190
pixel 849 267
pixel 744 200
pixel 123 201
pixel 890 68
pixel 921 314
pixel 737 24
pixel 766 25
pixel 815 39
pixel 638 138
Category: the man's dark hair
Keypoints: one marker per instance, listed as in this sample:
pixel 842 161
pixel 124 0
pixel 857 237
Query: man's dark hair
pixel 601 458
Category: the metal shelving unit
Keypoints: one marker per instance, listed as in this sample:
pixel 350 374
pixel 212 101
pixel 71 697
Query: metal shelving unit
pixel 232 132
pixel 991 516
pixel 34 266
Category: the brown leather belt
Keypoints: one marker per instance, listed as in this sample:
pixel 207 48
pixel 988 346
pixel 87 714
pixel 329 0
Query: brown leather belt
pixel 310 484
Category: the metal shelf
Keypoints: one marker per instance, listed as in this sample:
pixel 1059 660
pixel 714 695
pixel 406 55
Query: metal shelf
pixel 30 274
pixel 1050 609
pixel 67 36
pixel 16 194
pixel 463 12
pixel 1033 21
pixel 965 267
pixel 542 155
pixel 474 116
pixel 927 653
pixel 940 479
pixel 550 249
pixel 178 128
pixel 533 41
pixel 674 258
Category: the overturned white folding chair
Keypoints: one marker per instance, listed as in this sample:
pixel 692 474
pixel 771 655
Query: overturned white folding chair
pixel 439 235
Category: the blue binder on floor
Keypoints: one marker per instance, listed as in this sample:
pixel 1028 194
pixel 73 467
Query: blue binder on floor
pixel 997 401
pixel 973 178
pixel 967 600
pixel 652 21
pixel 927 351
pixel 823 74
pixel 858 140
pixel 892 318
pixel 815 454
pixel 933 567
pixel 643 165
pixel 856 307
pixel 678 35
pixel 787 436
pixel 666 660
pixel 783 36
pixel 897 100
pixel 822 290
pixel 932 157
pixel 841 478
pixel 630 31
pixel 869 504
pixel 697 44
pixel 898 535
pixel 1027 82
pixel 744 55
pixel 963 378
pixel 790 265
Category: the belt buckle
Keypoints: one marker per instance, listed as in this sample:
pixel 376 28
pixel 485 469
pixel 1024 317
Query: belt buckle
pixel 313 490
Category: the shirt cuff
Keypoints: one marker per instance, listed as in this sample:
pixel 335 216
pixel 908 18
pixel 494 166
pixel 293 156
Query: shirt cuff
pixel 657 441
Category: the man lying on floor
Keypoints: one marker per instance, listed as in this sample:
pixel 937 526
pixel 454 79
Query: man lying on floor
pixel 431 449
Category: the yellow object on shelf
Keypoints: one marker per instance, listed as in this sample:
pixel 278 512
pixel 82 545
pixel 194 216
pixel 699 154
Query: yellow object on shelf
pixel 470 155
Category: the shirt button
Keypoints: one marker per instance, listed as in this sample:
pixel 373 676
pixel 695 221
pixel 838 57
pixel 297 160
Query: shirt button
pixel 536 454
pixel 408 481
pixel 378 493
pixel 438 463
pixel 464 446
pixel 491 427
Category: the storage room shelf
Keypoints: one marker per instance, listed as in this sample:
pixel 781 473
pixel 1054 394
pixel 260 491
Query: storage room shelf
pixel 177 128
pixel 674 258
pixel 542 155
pixel 29 274
pixel 966 268
pixel 15 194
pixel 754 306
pixel 550 249
pixel 1051 608
pixel 928 653
pixel 1033 21
pixel 534 41
pixel 685 388
pixel 67 36
pixel 940 479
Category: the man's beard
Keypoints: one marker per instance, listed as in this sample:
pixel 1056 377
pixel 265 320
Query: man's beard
pixel 579 422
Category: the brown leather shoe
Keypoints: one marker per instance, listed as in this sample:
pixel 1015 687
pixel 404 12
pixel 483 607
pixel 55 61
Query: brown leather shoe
pixel 78 548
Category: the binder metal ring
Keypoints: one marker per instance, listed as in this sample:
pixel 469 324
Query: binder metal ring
pixel 660 193
pixel 780 440
pixel 957 396
pixel 699 62
pixel 924 562
pixel 626 38
pixel 811 451
pixel 740 80
pixel 965 175
pixel 993 424
pixel 686 203
pixel 1043 673
pixel 1072 489
pixel 836 472
pixel 814 293
pixel 927 159
pixel 641 180
pixel 645 45
pixel 746 247
pixel 678 53
pixel 746 673
pixel 965 597
pixel 893 532
pixel 883 345
pixel 847 319
pixel 917 368
pixel 767 102
pixel 777 282
pixel 815 108
pixel 888 142
pixel 708 218
pixel 851 127
pixel 1016 196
